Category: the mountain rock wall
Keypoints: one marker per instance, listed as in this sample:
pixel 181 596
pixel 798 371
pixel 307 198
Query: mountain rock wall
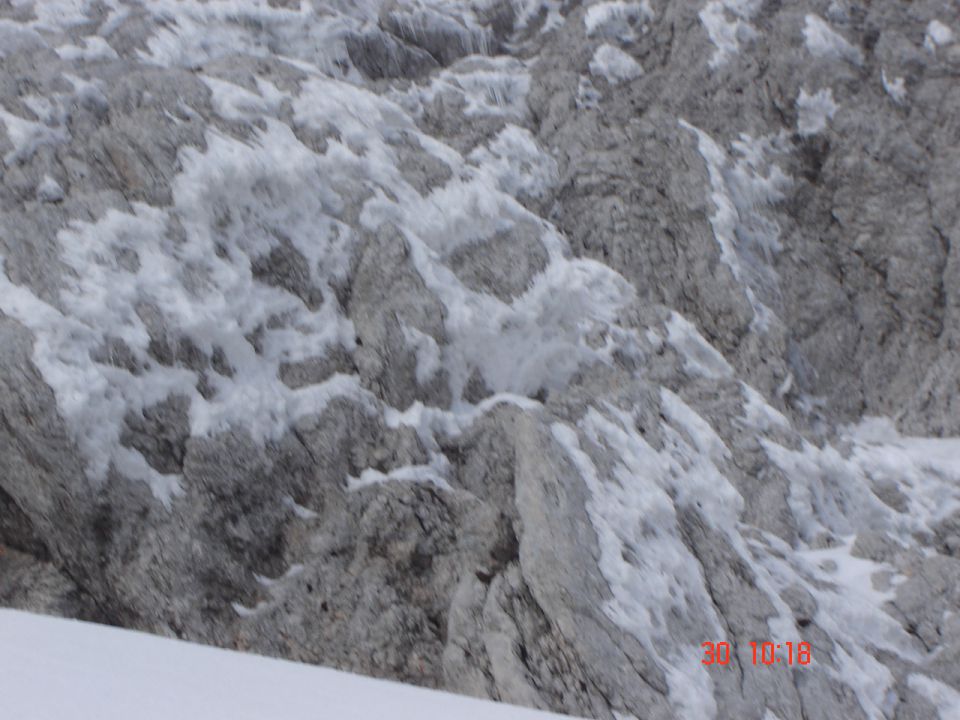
pixel 515 348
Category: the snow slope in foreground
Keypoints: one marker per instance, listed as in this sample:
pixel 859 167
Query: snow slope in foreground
pixel 51 669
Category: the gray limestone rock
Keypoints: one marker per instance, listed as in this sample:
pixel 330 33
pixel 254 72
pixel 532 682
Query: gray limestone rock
pixel 261 276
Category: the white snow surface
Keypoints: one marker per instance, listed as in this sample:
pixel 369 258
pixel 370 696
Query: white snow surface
pixel 51 669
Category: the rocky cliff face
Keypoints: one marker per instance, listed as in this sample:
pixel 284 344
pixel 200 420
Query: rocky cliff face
pixel 510 347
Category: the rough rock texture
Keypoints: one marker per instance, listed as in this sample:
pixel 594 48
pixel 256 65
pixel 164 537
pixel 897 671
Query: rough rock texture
pixel 513 348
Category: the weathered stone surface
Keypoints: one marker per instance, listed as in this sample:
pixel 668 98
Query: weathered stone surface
pixel 401 337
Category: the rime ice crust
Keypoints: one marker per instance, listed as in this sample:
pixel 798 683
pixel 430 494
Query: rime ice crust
pixel 437 340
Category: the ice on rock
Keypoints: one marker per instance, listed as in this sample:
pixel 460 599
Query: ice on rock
pixel 529 11
pixel 829 493
pixel 27 135
pixel 588 97
pixel 427 351
pixel 944 698
pixel 94 48
pixel 825 42
pixel 937 35
pixel 204 286
pixel 487 86
pixel 616 19
pixel 518 165
pixel 838 493
pixel 236 103
pixel 17 38
pixel 540 340
pixel 759 414
pixel 56 15
pixel 239 202
pixel 894 87
pixel 428 474
pixel 698 431
pixel 700 357
pixel 850 609
pixel 276 589
pixel 643 557
pixel 614 65
pixel 727 23
pixel 814 111
pixel 301 33
pixel 925 470
pixel 49 190
pixel 744 182
pixel 447 30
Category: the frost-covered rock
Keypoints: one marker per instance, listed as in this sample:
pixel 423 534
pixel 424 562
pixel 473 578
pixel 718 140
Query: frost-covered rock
pixel 49 190
pixel 515 348
pixel 937 34
pixel 614 64
pixel 815 111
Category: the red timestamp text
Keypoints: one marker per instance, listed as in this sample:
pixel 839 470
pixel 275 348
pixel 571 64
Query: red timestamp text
pixel 765 653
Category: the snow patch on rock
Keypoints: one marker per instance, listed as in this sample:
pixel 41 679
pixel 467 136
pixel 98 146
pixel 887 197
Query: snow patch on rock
pixel 617 20
pixel 699 356
pixel 517 163
pixel 743 183
pixel 944 698
pixel 614 65
pixel 49 190
pixel 895 88
pixel 825 42
pixel 814 111
pixel 94 48
pixel 727 23
pixel 937 35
